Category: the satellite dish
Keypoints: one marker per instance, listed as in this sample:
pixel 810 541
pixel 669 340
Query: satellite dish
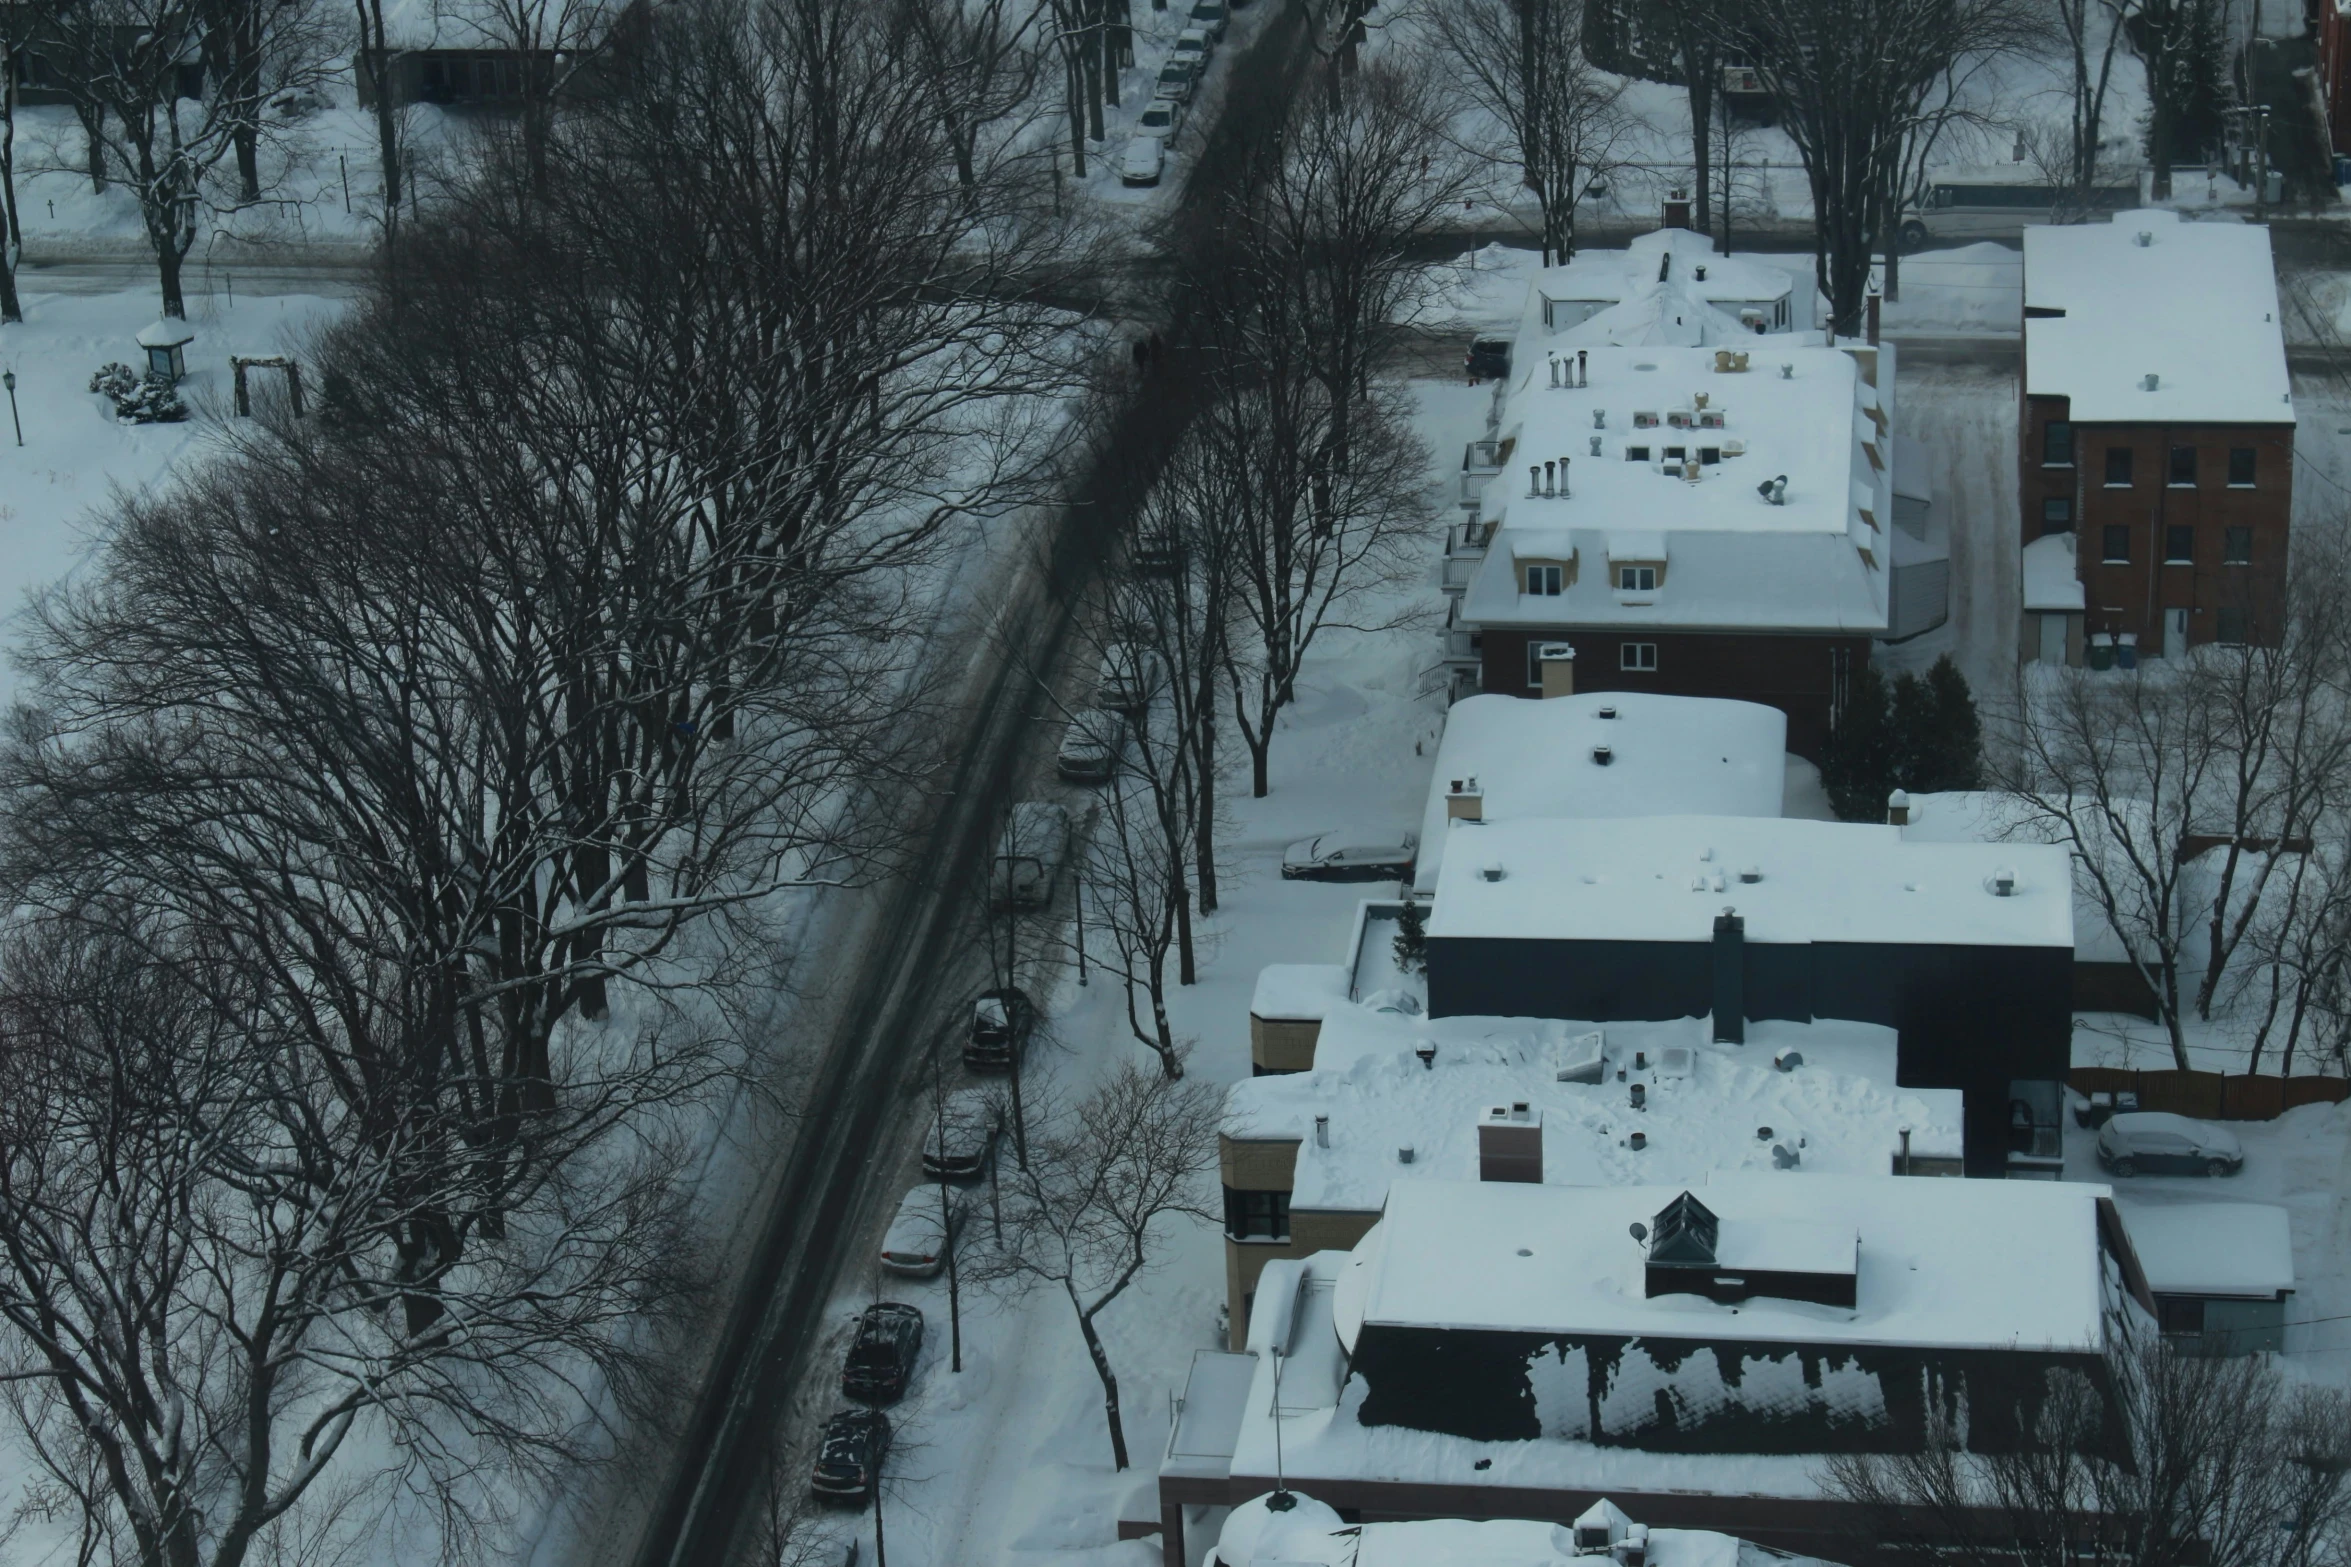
pixel 1640 1231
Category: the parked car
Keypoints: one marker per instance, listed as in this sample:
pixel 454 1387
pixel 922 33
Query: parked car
pixel 1195 44
pixel 1176 80
pixel 1028 860
pixel 961 1137
pixel 882 1355
pixel 1211 16
pixel 1000 1023
pixel 1996 205
pixel 917 1240
pixel 2156 1142
pixel 1161 117
pixel 1145 156
pixel 1090 750
pixel 1131 675
pixel 1489 358
pixel 1339 856
pixel 850 1459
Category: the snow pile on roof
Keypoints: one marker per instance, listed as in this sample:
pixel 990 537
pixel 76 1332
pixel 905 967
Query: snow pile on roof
pixel 1990 816
pixel 1818 559
pixel 2195 306
pixel 1298 992
pixel 2212 1248
pixel 1460 1542
pixel 1944 1264
pixel 1612 275
pixel 1665 878
pixel 1669 755
pixel 1708 1106
pixel 2050 581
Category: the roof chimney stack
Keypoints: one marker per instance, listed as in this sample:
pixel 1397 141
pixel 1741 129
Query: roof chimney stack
pixel 1677 210
pixel 1465 802
pixel 1510 1145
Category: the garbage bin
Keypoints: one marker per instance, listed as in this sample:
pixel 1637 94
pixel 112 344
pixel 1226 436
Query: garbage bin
pixel 2101 650
pixel 2126 650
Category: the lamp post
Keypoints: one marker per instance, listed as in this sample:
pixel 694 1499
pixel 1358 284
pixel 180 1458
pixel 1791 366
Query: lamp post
pixel 8 379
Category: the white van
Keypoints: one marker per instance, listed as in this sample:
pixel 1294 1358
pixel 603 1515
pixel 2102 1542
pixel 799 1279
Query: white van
pixel 1960 208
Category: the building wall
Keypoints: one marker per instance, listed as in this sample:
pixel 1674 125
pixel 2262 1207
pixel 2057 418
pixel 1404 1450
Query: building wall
pixel 1798 673
pixel 1281 1044
pixel 2133 596
pixel 1311 1230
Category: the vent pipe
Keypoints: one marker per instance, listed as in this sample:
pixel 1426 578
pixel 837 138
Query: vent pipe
pixel 1583 367
pixel 1322 1131
pixel 1550 479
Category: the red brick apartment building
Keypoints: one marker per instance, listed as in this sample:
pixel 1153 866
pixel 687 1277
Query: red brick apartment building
pixel 2156 443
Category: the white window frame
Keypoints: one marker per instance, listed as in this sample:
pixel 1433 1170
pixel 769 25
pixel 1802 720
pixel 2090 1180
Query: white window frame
pixel 1551 579
pixel 1637 657
pixel 1636 579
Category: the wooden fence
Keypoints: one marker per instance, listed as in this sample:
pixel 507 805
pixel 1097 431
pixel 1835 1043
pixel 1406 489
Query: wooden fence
pixel 2212 1096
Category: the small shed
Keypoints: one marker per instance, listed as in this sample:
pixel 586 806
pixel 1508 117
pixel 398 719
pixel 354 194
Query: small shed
pixel 2220 1272
pixel 164 342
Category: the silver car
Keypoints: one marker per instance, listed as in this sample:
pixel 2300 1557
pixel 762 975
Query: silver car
pixel 1091 747
pixel 2155 1142
pixel 1339 856
pixel 917 1241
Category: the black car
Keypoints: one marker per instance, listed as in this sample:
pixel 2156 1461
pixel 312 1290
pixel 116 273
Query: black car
pixel 1000 1024
pixel 850 1461
pixel 882 1356
pixel 1489 358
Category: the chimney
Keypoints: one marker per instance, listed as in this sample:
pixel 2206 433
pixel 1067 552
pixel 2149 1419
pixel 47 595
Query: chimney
pixel 1898 809
pixel 1730 979
pixel 1873 318
pixel 1558 664
pixel 1677 210
pixel 1465 802
pixel 1510 1145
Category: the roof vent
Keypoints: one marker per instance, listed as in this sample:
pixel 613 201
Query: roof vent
pixel 1774 489
pixel 1787 371
pixel 2004 882
pixel 2150 382
pixel 1599 418
pixel 2143 238
pixel 1750 874
pixel 1492 870
pixel 1602 755
pixel 1608 711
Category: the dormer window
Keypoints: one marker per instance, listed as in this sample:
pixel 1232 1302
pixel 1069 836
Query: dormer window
pixel 1543 581
pixel 1636 579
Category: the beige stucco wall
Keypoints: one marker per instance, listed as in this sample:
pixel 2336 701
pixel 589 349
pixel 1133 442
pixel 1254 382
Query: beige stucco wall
pixel 1282 1044
pixel 1313 1230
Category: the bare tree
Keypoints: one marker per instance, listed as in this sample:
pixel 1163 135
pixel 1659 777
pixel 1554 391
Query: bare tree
pixel 1855 81
pixel 982 64
pixel 15 20
pixel 1106 1179
pixel 1523 63
pixel 2094 32
pixel 1696 29
pixel 2152 1458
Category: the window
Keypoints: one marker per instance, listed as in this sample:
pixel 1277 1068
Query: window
pixel 1256 1216
pixel 2241 466
pixel 2118 465
pixel 2179 545
pixel 1543 581
pixel 1636 579
pixel 2234 626
pixel 1637 655
pixel 2183 465
pixel 2236 546
pixel 2056 513
pixel 1534 664
pixel 2057 444
pixel 1636 454
pixel 2180 1314
pixel 2117 548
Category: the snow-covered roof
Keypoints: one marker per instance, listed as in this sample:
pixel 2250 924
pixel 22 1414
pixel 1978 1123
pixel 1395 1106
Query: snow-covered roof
pixel 1839 1110
pixel 2212 1248
pixel 2050 581
pixel 1303 1538
pixel 1298 992
pixel 1818 560
pixel 1943 1264
pixel 1672 755
pixel 2196 307
pixel 1990 816
pixel 168 332
pixel 1665 878
pixel 1633 271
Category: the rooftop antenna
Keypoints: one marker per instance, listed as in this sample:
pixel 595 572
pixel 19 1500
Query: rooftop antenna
pixel 1281 1501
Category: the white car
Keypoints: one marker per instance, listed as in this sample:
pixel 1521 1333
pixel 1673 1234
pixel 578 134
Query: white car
pixel 1144 157
pixel 1161 117
pixel 917 1242
pixel 1130 677
pixel 1194 45
pixel 1339 856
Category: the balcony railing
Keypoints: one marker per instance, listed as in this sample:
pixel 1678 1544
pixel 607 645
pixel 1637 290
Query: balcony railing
pixel 1465 548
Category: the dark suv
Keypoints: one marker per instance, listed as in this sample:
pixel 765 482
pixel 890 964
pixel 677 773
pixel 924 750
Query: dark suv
pixel 850 1461
pixel 1489 358
pixel 1000 1024
pixel 882 1356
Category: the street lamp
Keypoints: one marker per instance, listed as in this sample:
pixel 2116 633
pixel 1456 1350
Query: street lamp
pixel 8 379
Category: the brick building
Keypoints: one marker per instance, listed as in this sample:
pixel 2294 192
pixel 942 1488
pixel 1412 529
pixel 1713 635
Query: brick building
pixel 2156 427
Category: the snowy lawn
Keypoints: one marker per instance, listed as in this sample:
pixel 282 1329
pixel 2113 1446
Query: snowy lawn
pixel 75 456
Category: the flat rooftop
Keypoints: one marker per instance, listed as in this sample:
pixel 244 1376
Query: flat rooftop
pixel 2243 1249
pixel 1665 878
pixel 1669 755
pixel 2196 306
pixel 1943 1264
pixel 1708 1107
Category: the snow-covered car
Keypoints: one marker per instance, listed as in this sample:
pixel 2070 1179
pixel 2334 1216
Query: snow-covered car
pixel 961 1136
pixel 1091 747
pixel 2156 1142
pixel 882 1355
pixel 1195 44
pixel 1212 15
pixel 1341 856
pixel 1488 358
pixel 1000 1023
pixel 1161 117
pixel 1129 678
pixel 850 1459
pixel 1146 154
pixel 1176 80
pixel 917 1240
pixel 1028 858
